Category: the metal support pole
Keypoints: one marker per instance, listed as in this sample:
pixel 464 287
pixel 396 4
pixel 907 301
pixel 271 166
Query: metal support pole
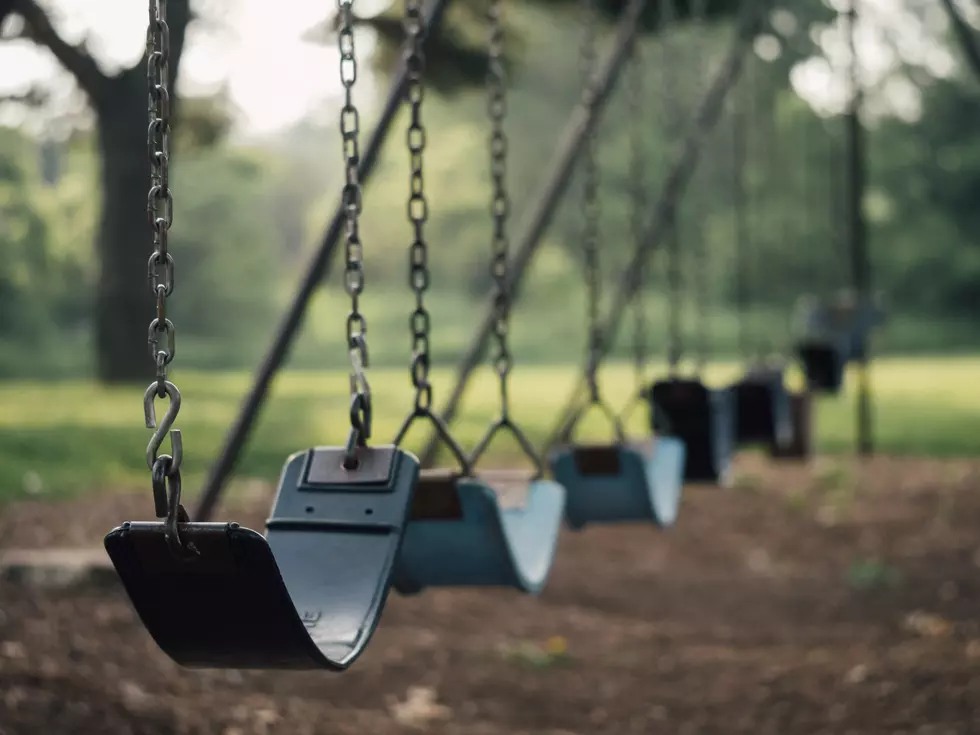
pixel 316 271
pixel 536 220
pixel 674 187
pixel 857 227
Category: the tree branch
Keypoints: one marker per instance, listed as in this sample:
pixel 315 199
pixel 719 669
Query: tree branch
pixel 965 35
pixel 74 58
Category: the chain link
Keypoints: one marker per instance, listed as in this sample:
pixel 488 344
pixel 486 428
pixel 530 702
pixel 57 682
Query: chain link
pixel 638 172
pixel 675 285
pixel 418 210
pixel 699 250
pixel 161 335
pixel 590 204
pixel 350 126
pixel 739 220
pixel 499 203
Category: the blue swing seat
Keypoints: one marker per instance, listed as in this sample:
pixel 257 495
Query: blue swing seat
pixel 833 335
pixel 762 408
pixel 610 483
pixel 703 419
pixel 460 535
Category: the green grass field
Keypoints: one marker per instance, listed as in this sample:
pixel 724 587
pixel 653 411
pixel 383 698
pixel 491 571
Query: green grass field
pixel 64 438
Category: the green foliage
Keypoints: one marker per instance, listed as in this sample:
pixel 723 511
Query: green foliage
pixel 246 218
pixel 76 435
pixel 224 243
pixel 202 122
pixel 30 272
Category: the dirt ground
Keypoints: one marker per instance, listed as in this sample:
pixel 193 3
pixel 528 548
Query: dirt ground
pixel 834 598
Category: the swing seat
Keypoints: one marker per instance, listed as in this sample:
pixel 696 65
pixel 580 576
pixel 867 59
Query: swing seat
pixel 610 483
pixel 843 321
pixel 800 445
pixel 306 596
pixel 762 408
pixel 459 534
pixel 823 363
pixel 703 419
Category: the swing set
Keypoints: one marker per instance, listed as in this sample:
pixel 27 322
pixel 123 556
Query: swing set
pixel 351 522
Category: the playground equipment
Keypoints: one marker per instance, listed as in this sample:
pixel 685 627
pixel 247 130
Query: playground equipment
pixel 615 481
pixel 350 522
pixel 459 535
pixel 311 592
pixel 832 335
pixel 761 402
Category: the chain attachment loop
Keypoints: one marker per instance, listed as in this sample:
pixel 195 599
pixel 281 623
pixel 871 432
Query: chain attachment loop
pixel 351 196
pixel 420 321
pixel 166 498
pixel 360 406
pixel 500 244
pixel 161 334
pixel 165 426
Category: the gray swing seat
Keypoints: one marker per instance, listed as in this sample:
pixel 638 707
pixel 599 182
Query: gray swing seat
pixel 461 535
pixel 833 335
pixel 612 483
pixel 308 595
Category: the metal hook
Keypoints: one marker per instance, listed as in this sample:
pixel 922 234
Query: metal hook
pixel 150 414
pixel 360 389
pixel 176 514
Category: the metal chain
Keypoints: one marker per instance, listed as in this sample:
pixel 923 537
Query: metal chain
pixel 590 204
pixel 360 413
pixel 637 177
pixel 768 147
pixel 739 219
pixel 675 348
pixel 418 210
pixel 159 207
pixel 699 250
pixel 499 203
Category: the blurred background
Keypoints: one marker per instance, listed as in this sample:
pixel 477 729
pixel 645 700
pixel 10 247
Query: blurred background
pixel 257 172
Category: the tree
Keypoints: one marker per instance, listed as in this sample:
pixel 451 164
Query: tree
pixel 122 301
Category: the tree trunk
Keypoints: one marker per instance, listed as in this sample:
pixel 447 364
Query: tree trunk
pixel 124 305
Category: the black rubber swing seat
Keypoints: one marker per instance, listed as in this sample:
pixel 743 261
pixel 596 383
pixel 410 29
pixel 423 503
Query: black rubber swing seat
pixel 306 596
pixel 461 534
pixel 703 419
pixel 762 408
pixel 823 362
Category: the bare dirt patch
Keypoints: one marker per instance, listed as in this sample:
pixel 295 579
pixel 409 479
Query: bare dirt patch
pixel 843 597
